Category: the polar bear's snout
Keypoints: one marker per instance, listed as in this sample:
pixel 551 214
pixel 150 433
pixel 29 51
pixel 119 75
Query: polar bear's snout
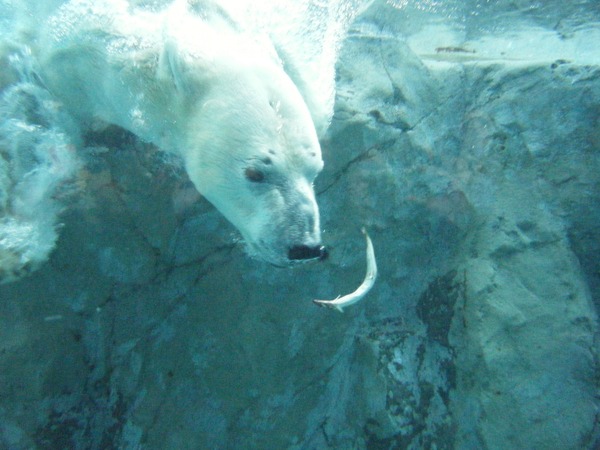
pixel 301 224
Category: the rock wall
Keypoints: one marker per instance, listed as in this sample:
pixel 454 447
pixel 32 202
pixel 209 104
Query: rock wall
pixel 477 178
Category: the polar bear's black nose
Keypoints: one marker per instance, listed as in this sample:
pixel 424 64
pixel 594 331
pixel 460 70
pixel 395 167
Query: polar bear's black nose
pixel 299 252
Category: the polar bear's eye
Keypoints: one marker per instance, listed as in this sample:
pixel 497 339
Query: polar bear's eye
pixel 254 175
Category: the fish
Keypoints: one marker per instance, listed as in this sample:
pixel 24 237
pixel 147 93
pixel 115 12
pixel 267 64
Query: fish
pixel 340 303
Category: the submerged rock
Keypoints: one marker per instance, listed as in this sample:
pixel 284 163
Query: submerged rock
pixel 476 174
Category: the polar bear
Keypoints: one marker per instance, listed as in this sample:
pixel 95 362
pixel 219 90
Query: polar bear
pixel 193 81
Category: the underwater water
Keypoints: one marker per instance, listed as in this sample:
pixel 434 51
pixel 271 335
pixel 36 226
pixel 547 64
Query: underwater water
pixel 465 137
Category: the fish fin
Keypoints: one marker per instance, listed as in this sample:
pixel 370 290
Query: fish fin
pixel 339 308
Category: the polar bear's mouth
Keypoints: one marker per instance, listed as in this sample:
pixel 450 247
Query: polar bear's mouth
pixel 306 252
pixel 296 254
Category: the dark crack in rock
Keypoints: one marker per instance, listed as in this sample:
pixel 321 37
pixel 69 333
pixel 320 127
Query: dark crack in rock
pixel 418 378
pixel 436 306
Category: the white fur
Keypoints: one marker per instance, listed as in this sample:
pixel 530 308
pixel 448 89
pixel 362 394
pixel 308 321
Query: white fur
pixel 197 84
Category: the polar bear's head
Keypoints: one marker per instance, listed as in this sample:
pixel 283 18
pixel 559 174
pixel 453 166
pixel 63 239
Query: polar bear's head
pixel 253 152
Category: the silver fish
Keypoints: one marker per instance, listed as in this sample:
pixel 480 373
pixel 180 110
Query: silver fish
pixel 341 302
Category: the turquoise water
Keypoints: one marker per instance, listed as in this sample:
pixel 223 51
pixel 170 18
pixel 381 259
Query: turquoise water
pixel 465 138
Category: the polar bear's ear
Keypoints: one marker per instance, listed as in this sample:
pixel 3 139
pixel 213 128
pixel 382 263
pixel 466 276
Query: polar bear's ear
pixel 171 68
